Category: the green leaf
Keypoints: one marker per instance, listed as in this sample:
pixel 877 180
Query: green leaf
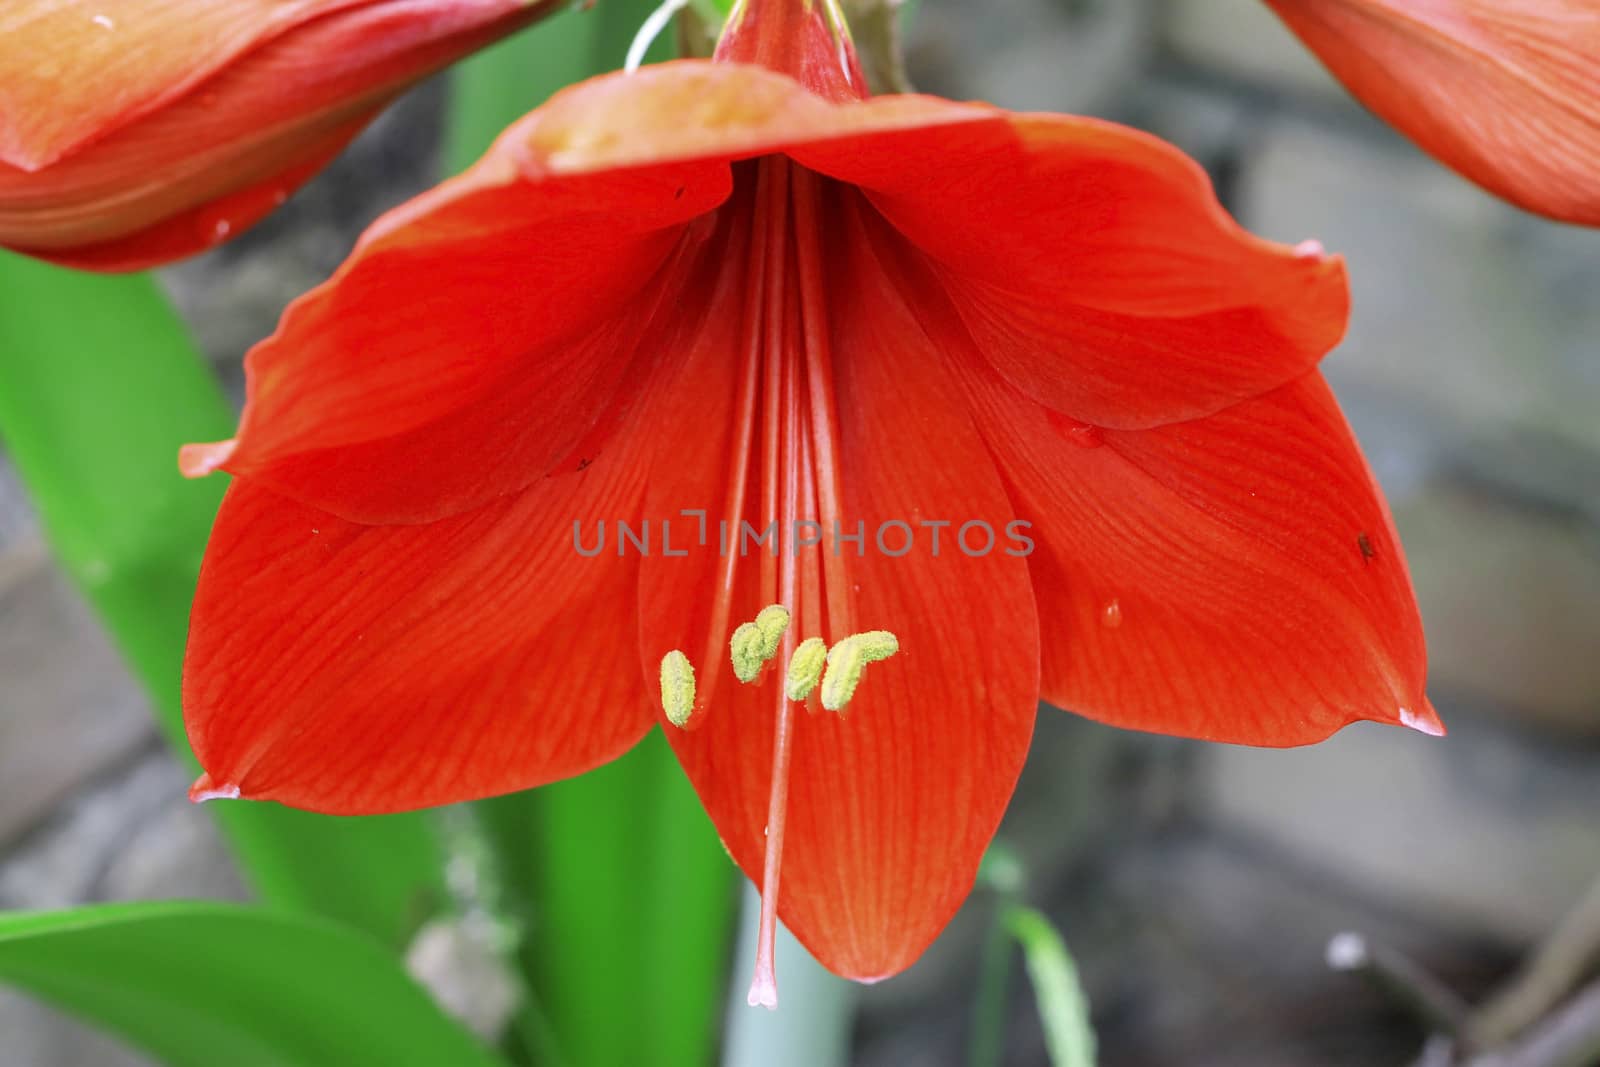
pixel 99 386
pixel 628 900
pixel 199 985
pixel 1063 1008
pixel 618 877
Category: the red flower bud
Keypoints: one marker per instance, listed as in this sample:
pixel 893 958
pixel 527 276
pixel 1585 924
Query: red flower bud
pixel 136 133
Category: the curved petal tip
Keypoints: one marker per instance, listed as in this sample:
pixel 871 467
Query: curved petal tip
pixel 1424 720
pixel 205 789
pixel 197 461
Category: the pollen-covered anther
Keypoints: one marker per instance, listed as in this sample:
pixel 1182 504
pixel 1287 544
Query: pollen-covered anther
pixel 805 668
pixel 677 688
pixel 847 662
pixel 754 643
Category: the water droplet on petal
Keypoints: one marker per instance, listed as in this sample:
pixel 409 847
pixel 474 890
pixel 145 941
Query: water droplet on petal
pixel 221 229
pixel 1087 437
pixel 1310 250
pixel 1111 615
pixel 104 22
pixel 1081 434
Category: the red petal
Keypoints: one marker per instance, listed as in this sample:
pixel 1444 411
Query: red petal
pixel 892 805
pixel 1504 91
pixel 475 332
pixel 1095 266
pixel 183 123
pixel 471 341
pixel 692 110
pixel 1235 578
pixel 358 669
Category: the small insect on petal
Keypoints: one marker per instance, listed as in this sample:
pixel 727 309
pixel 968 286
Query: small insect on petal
pixel 677 688
pixel 805 668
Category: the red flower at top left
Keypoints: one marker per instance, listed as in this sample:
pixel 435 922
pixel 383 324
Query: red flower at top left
pixel 138 132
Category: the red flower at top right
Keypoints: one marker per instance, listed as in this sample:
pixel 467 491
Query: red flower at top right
pixel 1507 92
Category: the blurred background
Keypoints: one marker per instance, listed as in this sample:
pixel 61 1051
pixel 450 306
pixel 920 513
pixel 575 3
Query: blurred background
pixel 1196 884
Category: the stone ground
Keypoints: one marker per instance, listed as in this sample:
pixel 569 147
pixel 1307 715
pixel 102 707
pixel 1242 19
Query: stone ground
pixel 1197 884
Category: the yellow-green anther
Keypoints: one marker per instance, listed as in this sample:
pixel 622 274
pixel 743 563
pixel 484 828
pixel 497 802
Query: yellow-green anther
pixel 877 645
pixel 772 621
pixel 677 688
pixel 805 668
pixel 847 662
pixel 745 651
pixel 753 643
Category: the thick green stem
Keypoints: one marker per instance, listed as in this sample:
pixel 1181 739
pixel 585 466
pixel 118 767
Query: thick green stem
pixel 987 1039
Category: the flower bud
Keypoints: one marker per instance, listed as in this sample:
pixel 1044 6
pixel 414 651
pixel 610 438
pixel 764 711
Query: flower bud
pixel 135 134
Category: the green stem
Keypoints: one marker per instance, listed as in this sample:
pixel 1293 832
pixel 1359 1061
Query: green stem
pixel 99 385
pixel 986 1041
pixel 1063 1008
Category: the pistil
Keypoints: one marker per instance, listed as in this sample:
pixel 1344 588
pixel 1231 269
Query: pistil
pixel 781 501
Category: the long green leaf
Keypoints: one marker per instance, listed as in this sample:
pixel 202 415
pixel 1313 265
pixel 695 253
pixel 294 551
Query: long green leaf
pixel 623 887
pixel 99 385
pixel 629 901
pixel 1063 1008
pixel 199 985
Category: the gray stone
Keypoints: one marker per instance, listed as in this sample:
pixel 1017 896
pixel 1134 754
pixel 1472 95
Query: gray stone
pixel 1213 126
pixel 175 852
pixel 68 710
pixel 1436 827
pixel 36 1035
pixel 1243 39
pixel 1458 311
pixel 17 523
pixel 1032 54
pixel 133 834
pixel 1510 600
pixel 458 962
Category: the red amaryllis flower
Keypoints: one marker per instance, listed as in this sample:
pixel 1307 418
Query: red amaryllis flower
pixel 713 288
pixel 140 132
pixel 1505 91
